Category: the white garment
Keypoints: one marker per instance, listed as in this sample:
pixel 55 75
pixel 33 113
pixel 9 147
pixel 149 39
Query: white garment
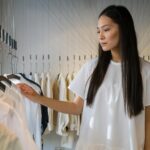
pixel 10 118
pixel 68 141
pixel 74 120
pixel 79 116
pixel 37 78
pixel 70 94
pixel 30 76
pixel 8 139
pixel 43 83
pixel 105 124
pixel 62 118
pixel 33 112
pixel 12 97
pixel 49 93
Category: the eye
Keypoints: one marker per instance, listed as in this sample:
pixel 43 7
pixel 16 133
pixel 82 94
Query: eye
pixel 106 29
pixel 98 31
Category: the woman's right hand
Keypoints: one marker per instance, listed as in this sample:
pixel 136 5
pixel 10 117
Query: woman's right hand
pixel 75 107
pixel 27 91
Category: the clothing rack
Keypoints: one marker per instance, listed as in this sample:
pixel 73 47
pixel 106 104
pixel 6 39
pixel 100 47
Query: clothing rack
pixel 71 62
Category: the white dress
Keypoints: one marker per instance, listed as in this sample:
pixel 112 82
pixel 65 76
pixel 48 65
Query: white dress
pixel 105 125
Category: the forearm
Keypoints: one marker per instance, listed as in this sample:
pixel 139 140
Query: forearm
pixel 74 107
pixel 147 142
pixel 147 129
pixel 57 105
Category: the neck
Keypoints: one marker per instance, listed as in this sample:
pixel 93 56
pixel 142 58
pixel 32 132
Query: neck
pixel 116 55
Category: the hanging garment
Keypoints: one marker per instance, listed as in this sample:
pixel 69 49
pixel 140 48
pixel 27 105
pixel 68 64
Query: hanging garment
pixel 33 111
pixel 62 118
pixel 56 97
pixel 74 120
pixel 49 93
pixel 11 119
pixel 8 139
pixel 30 76
pixel 44 108
pixel 43 83
pixel 12 97
pixel 68 141
pixel 79 116
pixel 37 78
pixel 40 81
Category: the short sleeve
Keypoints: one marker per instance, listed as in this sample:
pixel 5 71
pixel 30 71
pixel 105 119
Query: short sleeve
pixel 79 85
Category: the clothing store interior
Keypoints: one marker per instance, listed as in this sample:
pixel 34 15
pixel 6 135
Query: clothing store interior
pixel 44 43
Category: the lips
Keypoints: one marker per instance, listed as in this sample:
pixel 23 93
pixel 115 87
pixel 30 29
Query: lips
pixel 103 44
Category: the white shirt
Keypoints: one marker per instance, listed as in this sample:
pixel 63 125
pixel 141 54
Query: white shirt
pixel 105 125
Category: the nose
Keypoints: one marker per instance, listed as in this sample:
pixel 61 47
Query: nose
pixel 101 35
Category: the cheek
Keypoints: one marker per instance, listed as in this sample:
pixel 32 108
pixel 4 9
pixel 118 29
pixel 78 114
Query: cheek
pixel 114 38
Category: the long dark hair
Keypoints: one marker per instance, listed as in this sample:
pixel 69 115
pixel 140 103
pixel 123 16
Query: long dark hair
pixel 131 73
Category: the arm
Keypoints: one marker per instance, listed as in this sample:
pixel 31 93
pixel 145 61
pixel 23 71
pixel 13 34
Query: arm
pixel 74 107
pixel 147 128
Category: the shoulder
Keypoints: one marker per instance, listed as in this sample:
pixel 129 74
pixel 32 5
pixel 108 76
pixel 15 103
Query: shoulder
pixel 88 68
pixel 91 63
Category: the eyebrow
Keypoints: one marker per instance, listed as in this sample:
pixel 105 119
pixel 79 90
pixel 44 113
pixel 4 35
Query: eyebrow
pixel 103 26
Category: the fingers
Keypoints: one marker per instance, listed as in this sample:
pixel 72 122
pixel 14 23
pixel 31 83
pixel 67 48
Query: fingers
pixel 25 89
pixel 22 85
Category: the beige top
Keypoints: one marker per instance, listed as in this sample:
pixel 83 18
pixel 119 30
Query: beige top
pixel 8 139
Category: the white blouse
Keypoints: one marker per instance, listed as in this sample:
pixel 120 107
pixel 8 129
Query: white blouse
pixel 105 125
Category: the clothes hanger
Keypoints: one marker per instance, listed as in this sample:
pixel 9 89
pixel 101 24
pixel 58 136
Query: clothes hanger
pixel 2 87
pixel 2 78
pixel 13 76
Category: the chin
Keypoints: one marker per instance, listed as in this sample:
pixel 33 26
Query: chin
pixel 105 50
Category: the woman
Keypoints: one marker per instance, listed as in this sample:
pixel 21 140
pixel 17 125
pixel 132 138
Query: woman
pixel 112 90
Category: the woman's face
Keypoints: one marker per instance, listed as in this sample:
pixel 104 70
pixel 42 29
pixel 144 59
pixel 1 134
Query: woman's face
pixel 108 33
